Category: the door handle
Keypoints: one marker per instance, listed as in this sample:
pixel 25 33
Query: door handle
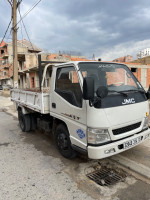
pixel 53 105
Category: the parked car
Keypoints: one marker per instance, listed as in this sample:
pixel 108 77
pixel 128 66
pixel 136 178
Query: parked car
pixel 1 87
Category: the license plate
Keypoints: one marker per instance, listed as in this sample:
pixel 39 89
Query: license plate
pixel 131 142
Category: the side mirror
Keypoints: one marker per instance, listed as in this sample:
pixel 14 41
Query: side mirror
pixel 88 88
pixel 102 91
pixel 148 93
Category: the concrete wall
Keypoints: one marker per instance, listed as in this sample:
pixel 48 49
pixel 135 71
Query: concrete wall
pixel 31 60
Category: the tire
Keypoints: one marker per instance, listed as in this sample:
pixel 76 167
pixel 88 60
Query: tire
pixel 63 142
pixel 24 121
pixel 33 122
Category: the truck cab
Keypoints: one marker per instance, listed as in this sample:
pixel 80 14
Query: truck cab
pixel 103 106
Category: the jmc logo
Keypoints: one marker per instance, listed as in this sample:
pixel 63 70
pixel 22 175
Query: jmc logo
pixel 128 101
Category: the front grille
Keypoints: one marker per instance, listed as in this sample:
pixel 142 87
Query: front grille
pixel 126 128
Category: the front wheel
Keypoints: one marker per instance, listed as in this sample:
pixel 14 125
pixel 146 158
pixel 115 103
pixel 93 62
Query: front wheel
pixel 63 142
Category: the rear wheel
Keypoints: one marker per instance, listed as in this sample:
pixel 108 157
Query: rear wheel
pixel 33 119
pixel 63 142
pixel 24 121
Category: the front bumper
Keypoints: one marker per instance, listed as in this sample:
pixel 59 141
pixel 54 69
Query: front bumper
pixel 95 152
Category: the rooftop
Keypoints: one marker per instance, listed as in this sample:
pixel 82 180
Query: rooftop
pixel 27 44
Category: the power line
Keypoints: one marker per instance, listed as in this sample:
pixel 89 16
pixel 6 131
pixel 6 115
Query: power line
pixel 25 28
pixel 20 23
pixel 10 3
pixel 18 3
pixel 28 11
pixel 6 30
pixel 9 36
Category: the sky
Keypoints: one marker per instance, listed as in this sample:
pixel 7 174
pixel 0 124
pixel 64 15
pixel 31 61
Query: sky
pixel 108 29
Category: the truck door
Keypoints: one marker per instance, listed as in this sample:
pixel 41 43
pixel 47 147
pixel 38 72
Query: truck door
pixel 66 103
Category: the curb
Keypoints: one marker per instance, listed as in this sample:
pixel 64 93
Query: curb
pixel 134 166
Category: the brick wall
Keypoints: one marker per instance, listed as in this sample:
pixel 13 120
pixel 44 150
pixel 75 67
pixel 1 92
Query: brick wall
pixel 148 78
pixel 4 72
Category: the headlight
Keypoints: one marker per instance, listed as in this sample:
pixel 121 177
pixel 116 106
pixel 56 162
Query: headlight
pixel 145 125
pixel 97 136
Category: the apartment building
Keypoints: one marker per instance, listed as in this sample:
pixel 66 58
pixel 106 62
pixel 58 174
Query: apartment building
pixel 4 65
pixel 139 67
pixel 27 57
pixel 141 72
pixel 28 63
pixel 143 53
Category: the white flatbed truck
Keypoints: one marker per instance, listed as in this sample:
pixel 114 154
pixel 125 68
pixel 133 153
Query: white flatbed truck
pixel 96 108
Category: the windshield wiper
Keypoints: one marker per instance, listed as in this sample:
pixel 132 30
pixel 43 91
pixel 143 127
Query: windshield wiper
pixel 120 92
pixel 126 94
pixel 136 90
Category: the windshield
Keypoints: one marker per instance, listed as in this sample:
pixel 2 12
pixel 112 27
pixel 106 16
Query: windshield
pixel 116 77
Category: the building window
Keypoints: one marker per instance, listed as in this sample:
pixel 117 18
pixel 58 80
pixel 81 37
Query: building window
pixel 2 51
pixel 4 73
pixel 32 82
pixel 133 69
pixel 21 65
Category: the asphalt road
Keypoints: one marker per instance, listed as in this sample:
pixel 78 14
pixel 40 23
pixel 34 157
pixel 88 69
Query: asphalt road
pixel 27 172
pixel 31 168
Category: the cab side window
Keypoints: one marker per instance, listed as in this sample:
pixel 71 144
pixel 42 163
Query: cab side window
pixel 68 87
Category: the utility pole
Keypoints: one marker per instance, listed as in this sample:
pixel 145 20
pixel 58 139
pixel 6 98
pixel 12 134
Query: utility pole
pixel 14 31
